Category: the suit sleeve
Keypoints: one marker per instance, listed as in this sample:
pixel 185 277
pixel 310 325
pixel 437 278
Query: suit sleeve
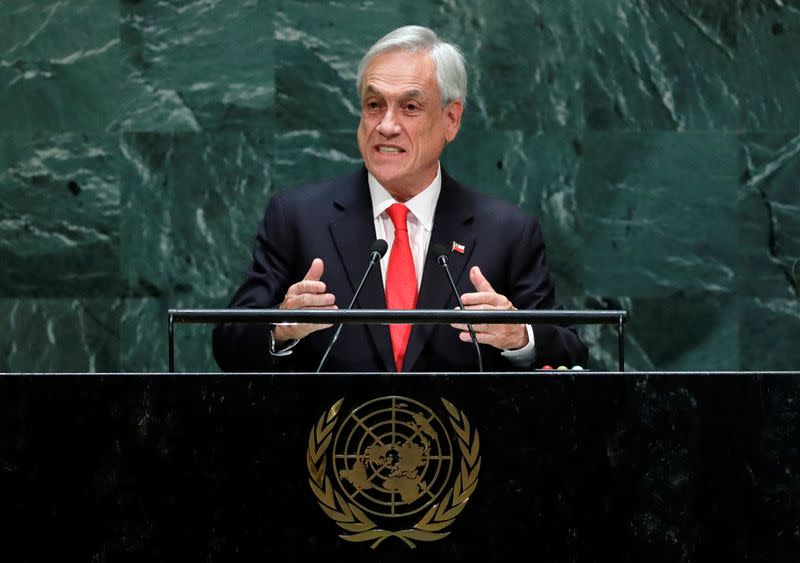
pixel 244 347
pixel 533 288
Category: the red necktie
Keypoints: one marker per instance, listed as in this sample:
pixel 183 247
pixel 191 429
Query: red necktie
pixel 401 280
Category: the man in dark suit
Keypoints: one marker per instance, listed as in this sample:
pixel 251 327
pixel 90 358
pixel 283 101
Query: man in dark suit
pixel 313 244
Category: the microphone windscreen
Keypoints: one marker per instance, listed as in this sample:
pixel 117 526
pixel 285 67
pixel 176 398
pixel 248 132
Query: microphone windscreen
pixel 438 249
pixel 380 246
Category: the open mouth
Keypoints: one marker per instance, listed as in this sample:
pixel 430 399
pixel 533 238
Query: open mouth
pixel 388 149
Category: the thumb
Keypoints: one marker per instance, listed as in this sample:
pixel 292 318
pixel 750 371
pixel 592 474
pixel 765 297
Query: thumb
pixel 314 273
pixel 479 281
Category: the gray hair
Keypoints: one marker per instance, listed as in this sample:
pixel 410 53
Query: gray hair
pixel 451 70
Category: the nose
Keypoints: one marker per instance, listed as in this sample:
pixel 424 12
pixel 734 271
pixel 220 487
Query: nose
pixel 389 127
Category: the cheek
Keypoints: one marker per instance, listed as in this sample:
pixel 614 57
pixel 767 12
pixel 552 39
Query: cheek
pixel 424 143
pixel 361 134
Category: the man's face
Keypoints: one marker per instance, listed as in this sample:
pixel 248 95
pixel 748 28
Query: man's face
pixel 403 127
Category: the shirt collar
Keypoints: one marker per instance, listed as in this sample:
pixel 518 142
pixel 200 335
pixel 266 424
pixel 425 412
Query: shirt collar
pixel 422 205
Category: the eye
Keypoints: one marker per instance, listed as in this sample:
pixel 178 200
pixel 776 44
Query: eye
pixel 412 107
pixel 371 105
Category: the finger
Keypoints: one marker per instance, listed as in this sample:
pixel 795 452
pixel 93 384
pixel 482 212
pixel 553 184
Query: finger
pixel 308 328
pixel 479 281
pixel 483 298
pixel 315 271
pixel 298 331
pixel 475 327
pixel 310 300
pixel 481 337
pixel 306 286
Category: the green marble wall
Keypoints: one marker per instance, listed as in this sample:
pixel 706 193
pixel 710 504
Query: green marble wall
pixel 658 141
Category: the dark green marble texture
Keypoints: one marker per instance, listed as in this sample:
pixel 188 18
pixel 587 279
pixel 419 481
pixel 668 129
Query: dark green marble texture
pixel 658 213
pixel 657 142
pixel 59 65
pixel 769 207
pixel 59 215
pixel 769 333
pixel 48 335
pixel 196 66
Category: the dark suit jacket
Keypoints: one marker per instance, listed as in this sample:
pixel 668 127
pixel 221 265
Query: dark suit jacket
pixel 333 221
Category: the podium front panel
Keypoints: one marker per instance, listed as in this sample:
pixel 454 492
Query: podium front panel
pixel 552 466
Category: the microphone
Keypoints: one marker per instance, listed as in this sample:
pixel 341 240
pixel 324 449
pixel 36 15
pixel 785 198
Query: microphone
pixel 376 252
pixel 440 251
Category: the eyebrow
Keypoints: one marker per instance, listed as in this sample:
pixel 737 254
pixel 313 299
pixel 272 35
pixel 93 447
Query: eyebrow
pixel 413 93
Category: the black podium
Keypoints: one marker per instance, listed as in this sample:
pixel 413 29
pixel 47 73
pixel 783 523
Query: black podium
pixel 549 466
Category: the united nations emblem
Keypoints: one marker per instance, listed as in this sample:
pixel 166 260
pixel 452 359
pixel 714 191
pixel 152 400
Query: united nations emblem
pixel 396 471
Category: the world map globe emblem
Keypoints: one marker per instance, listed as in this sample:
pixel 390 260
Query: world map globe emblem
pixel 392 456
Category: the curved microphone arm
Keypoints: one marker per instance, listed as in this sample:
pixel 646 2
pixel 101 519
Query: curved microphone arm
pixel 379 248
pixel 440 251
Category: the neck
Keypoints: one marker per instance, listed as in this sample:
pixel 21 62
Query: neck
pixel 403 193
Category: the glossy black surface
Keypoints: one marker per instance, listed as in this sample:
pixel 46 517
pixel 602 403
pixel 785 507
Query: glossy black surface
pixel 575 467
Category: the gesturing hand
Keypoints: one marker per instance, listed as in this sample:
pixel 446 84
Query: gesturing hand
pixel 504 337
pixel 308 293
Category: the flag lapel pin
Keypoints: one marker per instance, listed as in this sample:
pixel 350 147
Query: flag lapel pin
pixel 457 247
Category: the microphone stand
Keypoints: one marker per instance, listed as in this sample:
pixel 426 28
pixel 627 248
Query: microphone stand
pixel 442 260
pixel 377 253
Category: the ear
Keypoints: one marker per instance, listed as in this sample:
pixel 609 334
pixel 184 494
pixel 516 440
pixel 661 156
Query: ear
pixel 452 118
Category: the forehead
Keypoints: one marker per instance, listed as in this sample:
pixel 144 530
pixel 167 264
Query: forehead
pixel 397 72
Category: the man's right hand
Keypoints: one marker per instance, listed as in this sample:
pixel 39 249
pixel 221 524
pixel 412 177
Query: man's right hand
pixel 308 293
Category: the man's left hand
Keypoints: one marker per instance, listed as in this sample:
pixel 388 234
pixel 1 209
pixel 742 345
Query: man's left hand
pixel 504 337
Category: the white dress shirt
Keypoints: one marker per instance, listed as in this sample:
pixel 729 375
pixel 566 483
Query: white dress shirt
pixel 421 209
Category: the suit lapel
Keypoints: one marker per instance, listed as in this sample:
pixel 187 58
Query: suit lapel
pixel 353 233
pixel 452 222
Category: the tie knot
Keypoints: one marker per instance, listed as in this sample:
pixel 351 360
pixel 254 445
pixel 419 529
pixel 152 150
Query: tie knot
pixel 398 214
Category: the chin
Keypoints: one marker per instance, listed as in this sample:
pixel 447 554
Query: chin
pixel 386 177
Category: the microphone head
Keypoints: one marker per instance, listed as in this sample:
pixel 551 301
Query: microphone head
pixel 380 247
pixel 440 252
